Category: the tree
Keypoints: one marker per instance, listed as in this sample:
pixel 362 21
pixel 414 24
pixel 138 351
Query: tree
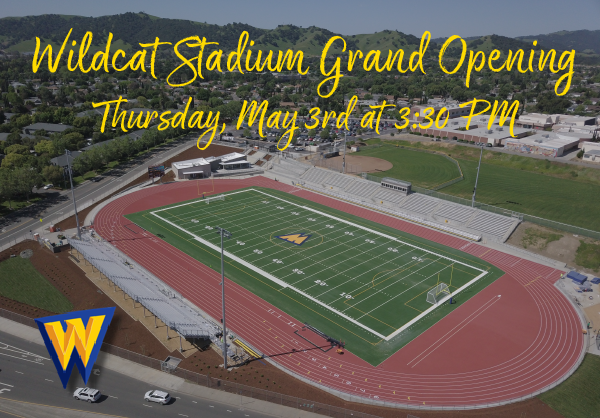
pixel 53 174
pixel 44 147
pixel 17 149
pixel 14 138
pixel 7 185
pixel 12 161
pixel 27 178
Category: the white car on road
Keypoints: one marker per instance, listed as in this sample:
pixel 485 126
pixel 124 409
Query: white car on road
pixel 157 396
pixel 87 394
pixel 48 186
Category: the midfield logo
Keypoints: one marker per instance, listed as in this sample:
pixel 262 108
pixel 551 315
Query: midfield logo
pixel 297 239
pixel 81 331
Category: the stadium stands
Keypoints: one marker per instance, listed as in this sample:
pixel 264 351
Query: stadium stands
pixel 491 224
pixel 388 196
pixel 454 212
pixel 442 214
pixel 420 203
pixel 144 289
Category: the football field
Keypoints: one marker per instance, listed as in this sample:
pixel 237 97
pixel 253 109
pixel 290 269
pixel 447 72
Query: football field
pixel 348 277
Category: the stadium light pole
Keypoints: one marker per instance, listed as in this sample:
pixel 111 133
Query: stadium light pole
pixel 476 179
pixel 224 234
pixel 344 158
pixel 68 154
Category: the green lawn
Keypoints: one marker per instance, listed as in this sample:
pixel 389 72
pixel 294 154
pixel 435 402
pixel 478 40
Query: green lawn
pixel 578 396
pixel 17 204
pixel 351 278
pixel 567 201
pixel 421 168
pixel 20 281
pixel 80 179
pixel 504 181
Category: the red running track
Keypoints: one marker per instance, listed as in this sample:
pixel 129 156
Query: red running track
pixel 491 349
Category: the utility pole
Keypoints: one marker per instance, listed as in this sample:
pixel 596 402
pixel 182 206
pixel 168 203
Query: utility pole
pixel 68 155
pixel 476 179
pixel 224 234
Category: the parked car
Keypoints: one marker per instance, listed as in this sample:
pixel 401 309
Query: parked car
pixel 87 394
pixel 298 149
pixel 96 179
pixel 157 396
pixel 48 186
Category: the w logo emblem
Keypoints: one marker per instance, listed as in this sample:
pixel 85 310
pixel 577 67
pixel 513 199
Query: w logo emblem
pixel 297 239
pixel 82 332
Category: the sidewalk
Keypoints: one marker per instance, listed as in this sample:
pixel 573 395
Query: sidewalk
pixel 164 380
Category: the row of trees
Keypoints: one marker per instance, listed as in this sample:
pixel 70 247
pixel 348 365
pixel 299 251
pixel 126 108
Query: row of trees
pixel 121 148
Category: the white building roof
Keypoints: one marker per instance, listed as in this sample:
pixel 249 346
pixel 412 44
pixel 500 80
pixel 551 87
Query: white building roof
pixel 190 163
pixel 231 156
pixel 547 140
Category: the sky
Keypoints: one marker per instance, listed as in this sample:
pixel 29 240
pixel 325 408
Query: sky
pixel 442 18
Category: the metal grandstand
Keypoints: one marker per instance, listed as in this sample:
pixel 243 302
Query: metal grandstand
pixel 146 289
pixel 454 218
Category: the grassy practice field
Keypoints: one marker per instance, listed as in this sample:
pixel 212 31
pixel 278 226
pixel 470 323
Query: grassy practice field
pixel 577 397
pixel 559 199
pixel 23 283
pixel 352 279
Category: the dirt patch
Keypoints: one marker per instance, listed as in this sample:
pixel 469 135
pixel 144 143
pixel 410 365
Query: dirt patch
pixel 593 315
pixel 189 154
pixel 563 249
pixel 356 164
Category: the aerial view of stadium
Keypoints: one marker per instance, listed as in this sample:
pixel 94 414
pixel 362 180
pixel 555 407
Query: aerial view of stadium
pixel 364 215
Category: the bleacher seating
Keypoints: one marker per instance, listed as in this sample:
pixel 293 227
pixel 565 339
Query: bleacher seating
pixel 363 188
pixel 455 212
pixel 339 180
pixel 316 176
pixel 420 203
pixel 491 224
pixel 389 196
pixel 430 210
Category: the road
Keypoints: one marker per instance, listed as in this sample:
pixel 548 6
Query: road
pixel 28 375
pixel 17 225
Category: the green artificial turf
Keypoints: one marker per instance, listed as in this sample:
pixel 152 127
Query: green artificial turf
pixel 346 278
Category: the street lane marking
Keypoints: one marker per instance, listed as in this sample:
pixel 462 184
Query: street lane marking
pixel 6 384
pixel 19 372
pixel 147 406
pixel 9 413
pixel 49 380
pixel 114 397
pixel 60 407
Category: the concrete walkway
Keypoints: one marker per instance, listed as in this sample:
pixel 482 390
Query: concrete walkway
pixel 154 378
